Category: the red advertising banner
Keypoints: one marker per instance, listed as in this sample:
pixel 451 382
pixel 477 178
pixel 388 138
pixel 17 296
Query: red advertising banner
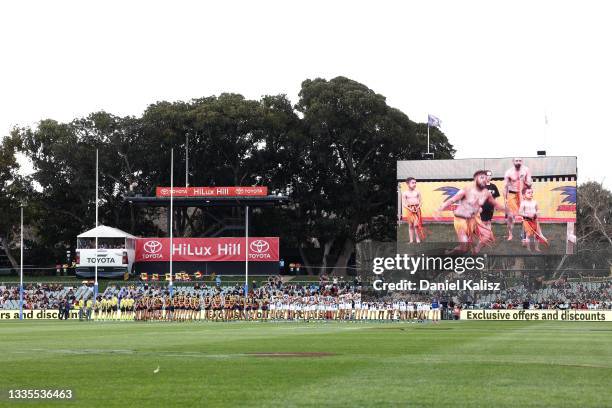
pixel 260 249
pixel 212 191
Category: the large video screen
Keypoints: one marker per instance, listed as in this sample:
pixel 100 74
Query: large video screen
pixel 497 206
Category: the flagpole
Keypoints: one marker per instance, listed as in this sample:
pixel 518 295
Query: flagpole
pixel 246 252
pixel 21 270
pixel 170 284
pixel 187 160
pixel 428 136
pixel 96 229
pixel 545 129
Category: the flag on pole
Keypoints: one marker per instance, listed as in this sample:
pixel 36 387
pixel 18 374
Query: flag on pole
pixel 433 121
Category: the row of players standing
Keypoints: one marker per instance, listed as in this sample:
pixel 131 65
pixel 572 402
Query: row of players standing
pixel 285 307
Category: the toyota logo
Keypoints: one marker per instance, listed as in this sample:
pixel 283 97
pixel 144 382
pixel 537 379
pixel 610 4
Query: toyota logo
pixel 152 247
pixel 259 246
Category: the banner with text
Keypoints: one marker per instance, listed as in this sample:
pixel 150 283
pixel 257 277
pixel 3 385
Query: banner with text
pixel 260 249
pixel 212 191
pixel 35 314
pixel 568 315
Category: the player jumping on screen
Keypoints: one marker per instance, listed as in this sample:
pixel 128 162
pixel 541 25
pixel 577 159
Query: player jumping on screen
pixel 529 211
pixel 516 179
pixel 411 201
pixel 467 222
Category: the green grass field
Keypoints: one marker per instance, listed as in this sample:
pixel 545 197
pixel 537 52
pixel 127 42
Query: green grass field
pixel 457 364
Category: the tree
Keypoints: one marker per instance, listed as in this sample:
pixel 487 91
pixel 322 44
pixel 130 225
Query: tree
pixel 348 182
pixel 232 141
pixel 594 223
pixel 593 227
pixel 14 191
pixel 63 159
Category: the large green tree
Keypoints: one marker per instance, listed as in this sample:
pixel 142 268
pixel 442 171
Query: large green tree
pixel 347 189
pixel 231 140
pixel 63 157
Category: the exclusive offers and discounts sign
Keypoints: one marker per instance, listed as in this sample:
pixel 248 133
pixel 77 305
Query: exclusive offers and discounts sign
pixel 260 249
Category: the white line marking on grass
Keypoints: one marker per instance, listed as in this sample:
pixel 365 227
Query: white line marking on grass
pixel 83 351
pixel 161 353
pixel 216 356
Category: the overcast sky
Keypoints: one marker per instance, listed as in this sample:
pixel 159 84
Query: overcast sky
pixel 490 70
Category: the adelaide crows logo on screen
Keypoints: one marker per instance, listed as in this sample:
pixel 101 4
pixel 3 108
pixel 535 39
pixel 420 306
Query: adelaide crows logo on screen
pixel 569 196
pixel 449 192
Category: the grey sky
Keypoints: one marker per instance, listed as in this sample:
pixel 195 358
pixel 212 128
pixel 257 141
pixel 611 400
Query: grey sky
pixel 490 70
